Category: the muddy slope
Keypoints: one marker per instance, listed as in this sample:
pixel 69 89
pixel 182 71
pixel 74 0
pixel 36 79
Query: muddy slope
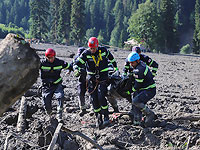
pixel 178 94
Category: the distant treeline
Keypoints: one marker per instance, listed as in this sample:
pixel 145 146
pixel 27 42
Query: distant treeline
pixel 157 24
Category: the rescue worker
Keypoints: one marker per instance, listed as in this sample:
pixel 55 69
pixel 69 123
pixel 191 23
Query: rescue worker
pixel 52 82
pixel 97 59
pixel 146 59
pixel 82 85
pixel 144 89
pixel 82 82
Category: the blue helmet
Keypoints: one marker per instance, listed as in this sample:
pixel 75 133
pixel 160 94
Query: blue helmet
pixel 133 56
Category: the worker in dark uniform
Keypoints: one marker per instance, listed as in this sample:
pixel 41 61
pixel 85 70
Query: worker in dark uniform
pixel 52 82
pixel 146 59
pixel 97 60
pixel 82 82
pixel 144 89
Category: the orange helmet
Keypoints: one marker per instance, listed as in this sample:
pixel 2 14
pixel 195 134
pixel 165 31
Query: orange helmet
pixel 93 42
pixel 50 52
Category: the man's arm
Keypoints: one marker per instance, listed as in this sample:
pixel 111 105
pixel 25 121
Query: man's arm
pixel 127 68
pixel 151 63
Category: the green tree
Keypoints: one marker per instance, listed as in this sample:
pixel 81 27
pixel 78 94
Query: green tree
pixel 54 17
pixel 109 19
pixel 168 23
pixel 77 21
pixel 118 12
pixel 38 17
pixel 2 13
pixel 64 21
pixel 144 25
pixel 95 16
pixel 196 35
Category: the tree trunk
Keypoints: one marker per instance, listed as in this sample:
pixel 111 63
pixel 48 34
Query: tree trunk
pixel 21 123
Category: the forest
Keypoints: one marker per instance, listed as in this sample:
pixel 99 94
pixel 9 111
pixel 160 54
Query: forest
pixel 166 26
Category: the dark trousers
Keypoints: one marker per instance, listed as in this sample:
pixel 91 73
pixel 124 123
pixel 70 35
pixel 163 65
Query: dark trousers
pixel 47 94
pixel 82 90
pixel 98 94
pixel 139 99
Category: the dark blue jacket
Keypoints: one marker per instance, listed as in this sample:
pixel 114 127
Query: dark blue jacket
pixel 50 72
pixel 146 59
pixel 80 51
pixel 143 78
pixel 97 63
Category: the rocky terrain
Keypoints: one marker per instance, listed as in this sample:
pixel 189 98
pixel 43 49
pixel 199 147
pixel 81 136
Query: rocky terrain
pixel 176 105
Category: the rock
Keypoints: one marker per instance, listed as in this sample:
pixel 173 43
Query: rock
pixel 19 69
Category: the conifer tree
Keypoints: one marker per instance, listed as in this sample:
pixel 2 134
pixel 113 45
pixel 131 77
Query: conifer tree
pixel 54 17
pixel 95 16
pixel 64 20
pixel 109 19
pixel 77 21
pixel 196 35
pixel 118 13
pixel 168 22
pixel 38 17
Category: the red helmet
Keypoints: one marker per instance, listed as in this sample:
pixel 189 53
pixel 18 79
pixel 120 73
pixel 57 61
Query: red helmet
pixel 93 42
pixel 50 52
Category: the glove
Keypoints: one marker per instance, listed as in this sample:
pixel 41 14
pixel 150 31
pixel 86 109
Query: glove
pixel 124 94
pixel 76 73
pixel 128 92
pixel 117 73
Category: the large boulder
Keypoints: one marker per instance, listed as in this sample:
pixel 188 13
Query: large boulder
pixel 19 69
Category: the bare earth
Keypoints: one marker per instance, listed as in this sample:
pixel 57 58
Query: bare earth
pixel 178 95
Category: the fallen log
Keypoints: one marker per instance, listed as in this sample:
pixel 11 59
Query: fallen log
pixel 22 115
pixel 19 69
pixel 61 127
pixel 6 141
pixel 185 116
pixel 83 136
pixel 55 136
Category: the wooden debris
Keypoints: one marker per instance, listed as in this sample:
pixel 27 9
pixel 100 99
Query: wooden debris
pixel 55 136
pixel 6 142
pixel 61 127
pixel 83 136
pixel 185 116
pixel 22 115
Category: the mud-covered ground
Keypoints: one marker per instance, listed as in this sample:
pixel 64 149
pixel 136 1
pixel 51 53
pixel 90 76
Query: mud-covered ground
pixel 178 95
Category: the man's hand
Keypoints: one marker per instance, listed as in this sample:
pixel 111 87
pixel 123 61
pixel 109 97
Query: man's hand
pixel 116 72
pixel 76 73
pixel 69 72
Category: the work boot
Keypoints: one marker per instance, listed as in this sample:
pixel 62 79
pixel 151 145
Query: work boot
pixel 137 123
pixel 106 121
pixel 82 112
pixel 131 115
pixel 99 120
pixel 137 119
pixel 149 119
pixel 116 109
pixel 150 116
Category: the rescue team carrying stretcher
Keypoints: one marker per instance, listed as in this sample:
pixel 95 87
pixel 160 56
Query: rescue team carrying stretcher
pixel 97 67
